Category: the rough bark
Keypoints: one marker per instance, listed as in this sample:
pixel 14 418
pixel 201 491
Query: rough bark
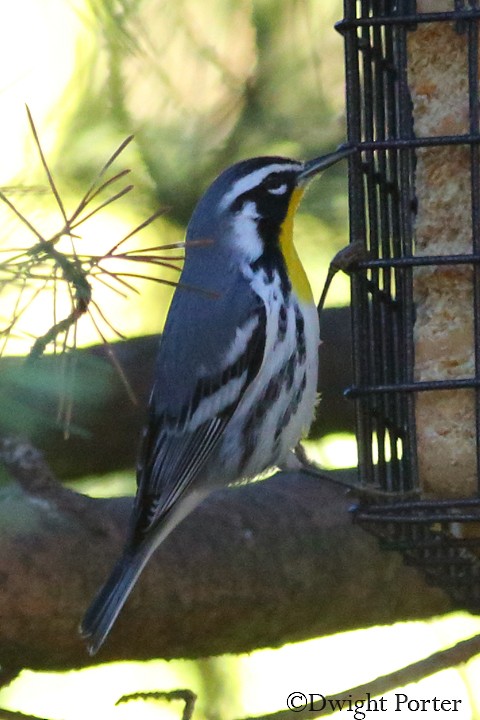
pixel 103 410
pixel 254 566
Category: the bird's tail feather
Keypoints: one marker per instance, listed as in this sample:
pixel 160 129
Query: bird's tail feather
pixel 104 610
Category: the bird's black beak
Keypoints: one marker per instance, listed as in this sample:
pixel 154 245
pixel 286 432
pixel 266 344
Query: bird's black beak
pixel 313 167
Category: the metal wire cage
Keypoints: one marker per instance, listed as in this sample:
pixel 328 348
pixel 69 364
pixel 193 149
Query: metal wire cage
pixel 395 290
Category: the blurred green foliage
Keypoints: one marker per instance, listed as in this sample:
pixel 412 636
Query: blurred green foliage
pixel 200 85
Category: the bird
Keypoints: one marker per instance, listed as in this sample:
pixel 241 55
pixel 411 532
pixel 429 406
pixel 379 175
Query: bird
pixel 235 381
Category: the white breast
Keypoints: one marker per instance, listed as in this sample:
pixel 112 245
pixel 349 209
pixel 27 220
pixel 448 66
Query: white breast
pixel 278 408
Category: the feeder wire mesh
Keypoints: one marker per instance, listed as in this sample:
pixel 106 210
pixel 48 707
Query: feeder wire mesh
pixel 383 210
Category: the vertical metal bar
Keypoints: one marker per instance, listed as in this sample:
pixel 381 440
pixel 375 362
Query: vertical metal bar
pixel 405 277
pixel 382 195
pixel 396 250
pixel 383 342
pixel 357 232
pixel 472 35
pixel 375 357
pixel 383 323
pixel 388 310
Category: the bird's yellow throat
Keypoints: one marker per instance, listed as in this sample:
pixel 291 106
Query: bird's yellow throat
pixel 295 269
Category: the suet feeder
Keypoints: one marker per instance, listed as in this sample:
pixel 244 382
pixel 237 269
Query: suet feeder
pixel 412 77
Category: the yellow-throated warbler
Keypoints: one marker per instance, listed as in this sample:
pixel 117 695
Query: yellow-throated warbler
pixel 236 375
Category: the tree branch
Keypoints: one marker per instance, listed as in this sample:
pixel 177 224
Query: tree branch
pixel 187 696
pixel 255 566
pixel 106 424
pixel 460 653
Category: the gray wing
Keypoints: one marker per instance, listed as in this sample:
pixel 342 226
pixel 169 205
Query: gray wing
pixel 204 367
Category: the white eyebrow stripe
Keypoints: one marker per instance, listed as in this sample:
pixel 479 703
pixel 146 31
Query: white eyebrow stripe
pixel 255 178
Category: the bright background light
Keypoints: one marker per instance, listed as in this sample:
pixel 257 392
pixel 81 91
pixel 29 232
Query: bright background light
pixel 38 45
pixel 183 86
pixel 249 685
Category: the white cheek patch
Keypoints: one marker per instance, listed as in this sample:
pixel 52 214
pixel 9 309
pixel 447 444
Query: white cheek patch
pixel 245 232
pixel 249 210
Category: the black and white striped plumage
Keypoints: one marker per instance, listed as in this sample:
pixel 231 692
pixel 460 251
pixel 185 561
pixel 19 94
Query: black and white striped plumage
pixel 236 375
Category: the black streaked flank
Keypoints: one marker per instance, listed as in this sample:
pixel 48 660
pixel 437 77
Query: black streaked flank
pixel 250 361
pixel 282 322
pixel 300 335
pixel 283 378
pixel 292 408
pixel 272 262
pixel 290 371
pixel 250 430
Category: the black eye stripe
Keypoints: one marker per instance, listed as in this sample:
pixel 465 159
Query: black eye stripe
pixel 275 185
pixel 272 182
